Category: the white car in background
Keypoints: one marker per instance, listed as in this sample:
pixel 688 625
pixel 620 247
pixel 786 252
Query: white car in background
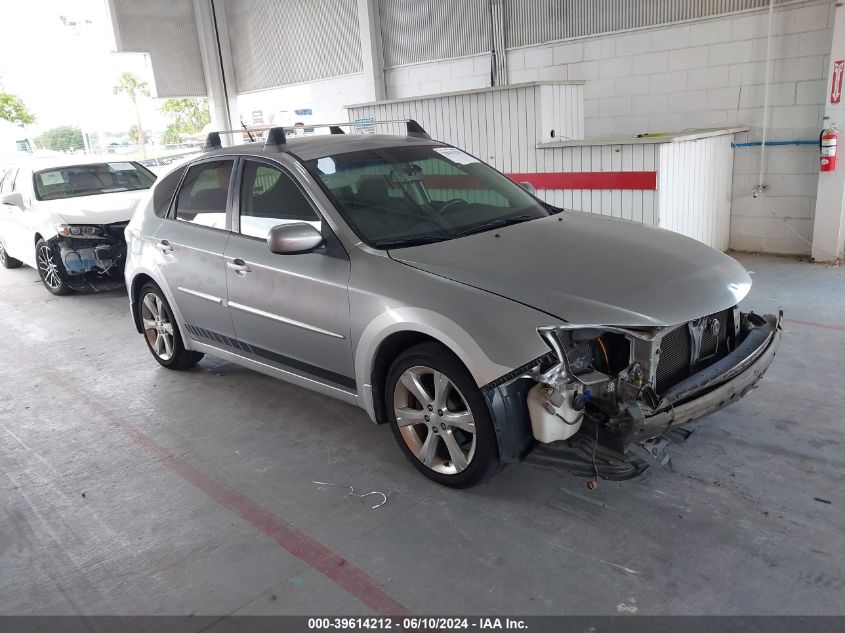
pixel 66 219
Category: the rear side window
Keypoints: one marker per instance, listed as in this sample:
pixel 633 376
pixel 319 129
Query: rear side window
pixel 202 197
pixel 164 191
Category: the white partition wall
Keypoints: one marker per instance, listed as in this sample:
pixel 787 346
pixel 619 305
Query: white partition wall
pixel 500 125
pixel 678 182
pixel 534 133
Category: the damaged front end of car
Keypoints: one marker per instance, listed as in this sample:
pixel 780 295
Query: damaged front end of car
pixel 92 256
pixel 603 401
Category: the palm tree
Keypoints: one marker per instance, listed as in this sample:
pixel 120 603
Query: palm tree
pixel 132 86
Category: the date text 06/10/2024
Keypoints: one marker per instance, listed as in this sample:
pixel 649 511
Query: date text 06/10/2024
pixel 417 623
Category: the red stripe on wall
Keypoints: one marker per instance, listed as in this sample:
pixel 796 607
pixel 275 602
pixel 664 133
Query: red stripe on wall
pixel 646 180
pixel 643 180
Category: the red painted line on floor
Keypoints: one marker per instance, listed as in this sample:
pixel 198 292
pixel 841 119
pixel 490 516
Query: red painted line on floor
pixel 299 544
pixel 826 326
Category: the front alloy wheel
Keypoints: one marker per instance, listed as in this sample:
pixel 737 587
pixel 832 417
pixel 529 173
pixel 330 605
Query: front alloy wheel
pixel 434 420
pixel 49 269
pixel 439 417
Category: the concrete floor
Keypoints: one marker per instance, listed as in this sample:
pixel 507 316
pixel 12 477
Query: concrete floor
pixel 129 489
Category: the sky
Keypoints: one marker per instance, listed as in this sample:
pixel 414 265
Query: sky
pixel 58 56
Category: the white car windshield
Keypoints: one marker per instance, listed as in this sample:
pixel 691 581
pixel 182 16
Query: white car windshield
pixel 73 181
pixel 404 196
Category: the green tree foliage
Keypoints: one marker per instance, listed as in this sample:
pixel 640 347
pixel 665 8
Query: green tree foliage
pixel 61 138
pixel 14 110
pixel 133 87
pixel 187 116
pixel 134 136
pixel 172 135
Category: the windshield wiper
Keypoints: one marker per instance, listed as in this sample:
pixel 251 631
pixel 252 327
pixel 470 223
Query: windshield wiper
pixel 495 224
pixel 411 241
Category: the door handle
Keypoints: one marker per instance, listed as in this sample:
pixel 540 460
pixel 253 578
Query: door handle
pixel 164 246
pixel 239 266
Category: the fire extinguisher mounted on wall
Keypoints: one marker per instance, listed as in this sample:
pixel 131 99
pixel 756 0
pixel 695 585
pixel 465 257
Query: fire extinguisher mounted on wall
pixel 827 149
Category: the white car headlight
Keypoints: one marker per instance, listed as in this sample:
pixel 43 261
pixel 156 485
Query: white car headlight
pixel 79 230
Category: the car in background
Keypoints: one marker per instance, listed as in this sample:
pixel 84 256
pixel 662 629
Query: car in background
pixel 409 278
pixel 66 217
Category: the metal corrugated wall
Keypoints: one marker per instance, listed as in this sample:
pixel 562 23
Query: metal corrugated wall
pixel 167 30
pixel 529 22
pixel 276 44
pixel 499 125
pixel 414 31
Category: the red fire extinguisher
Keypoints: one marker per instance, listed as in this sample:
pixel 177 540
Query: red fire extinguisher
pixel 827 144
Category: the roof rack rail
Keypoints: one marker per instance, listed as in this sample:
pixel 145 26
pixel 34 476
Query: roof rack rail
pixel 415 129
pixel 276 138
pixel 212 141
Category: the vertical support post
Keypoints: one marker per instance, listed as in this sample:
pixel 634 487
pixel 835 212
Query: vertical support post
pixel 219 71
pixel 372 54
pixel 829 222
pixel 499 66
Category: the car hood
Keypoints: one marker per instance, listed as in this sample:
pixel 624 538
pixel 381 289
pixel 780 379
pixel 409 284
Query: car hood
pixel 590 269
pixel 104 208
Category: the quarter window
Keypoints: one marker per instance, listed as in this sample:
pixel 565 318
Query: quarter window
pixel 202 197
pixel 270 197
pixel 164 191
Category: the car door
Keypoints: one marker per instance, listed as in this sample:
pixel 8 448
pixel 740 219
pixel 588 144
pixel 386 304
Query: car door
pixel 17 223
pixel 190 244
pixel 292 310
pixel 5 211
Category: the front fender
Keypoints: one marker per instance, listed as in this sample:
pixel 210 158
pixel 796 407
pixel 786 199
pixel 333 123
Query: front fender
pixel 430 323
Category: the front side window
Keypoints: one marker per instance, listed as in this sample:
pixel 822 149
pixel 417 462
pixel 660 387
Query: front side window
pixel 75 181
pixel 202 197
pixel 402 196
pixel 270 197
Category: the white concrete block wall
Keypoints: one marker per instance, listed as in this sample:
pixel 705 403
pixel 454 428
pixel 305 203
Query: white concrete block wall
pixel 711 74
pixel 708 73
pixel 466 73
pixel 326 98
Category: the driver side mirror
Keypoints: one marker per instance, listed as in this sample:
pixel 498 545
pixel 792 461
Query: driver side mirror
pixel 294 238
pixel 529 188
pixel 14 199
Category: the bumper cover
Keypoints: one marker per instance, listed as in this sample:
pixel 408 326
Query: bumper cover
pixel 715 387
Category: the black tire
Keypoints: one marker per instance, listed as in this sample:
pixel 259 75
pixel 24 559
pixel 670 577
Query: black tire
pixel 52 272
pixel 6 260
pixel 179 358
pixel 463 396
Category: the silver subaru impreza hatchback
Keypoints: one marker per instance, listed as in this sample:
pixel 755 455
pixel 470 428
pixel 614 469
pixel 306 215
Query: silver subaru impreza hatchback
pixel 482 324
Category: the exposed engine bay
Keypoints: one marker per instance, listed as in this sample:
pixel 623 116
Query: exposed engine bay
pixel 611 394
pixel 91 258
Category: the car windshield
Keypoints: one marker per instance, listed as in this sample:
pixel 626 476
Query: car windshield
pixel 73 181
pixel 404 196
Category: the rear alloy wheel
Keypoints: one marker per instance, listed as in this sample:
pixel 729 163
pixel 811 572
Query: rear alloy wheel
pixel 6 261
pixel 439 417
pixel 162 332
pixel 50 270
